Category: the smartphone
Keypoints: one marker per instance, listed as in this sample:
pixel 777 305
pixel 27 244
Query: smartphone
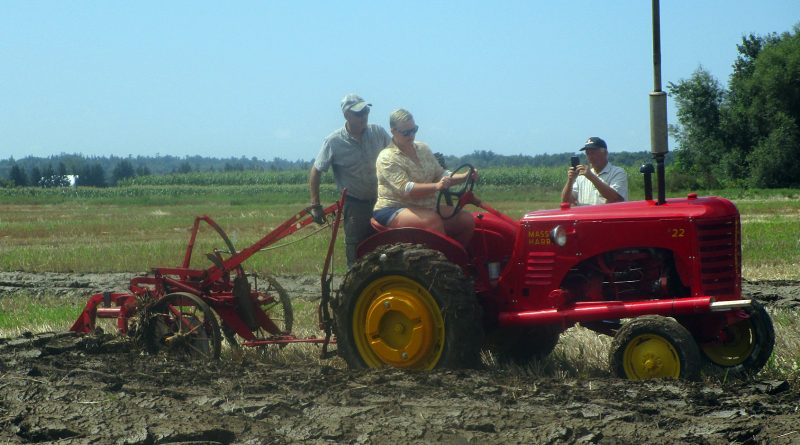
pixel 575 161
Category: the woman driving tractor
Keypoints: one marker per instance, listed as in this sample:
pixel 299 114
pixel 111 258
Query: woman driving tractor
pixel 409 177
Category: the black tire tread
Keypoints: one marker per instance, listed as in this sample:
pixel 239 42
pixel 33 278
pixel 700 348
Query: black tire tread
pixel 446 282
pixel 667 328
pixel 765 343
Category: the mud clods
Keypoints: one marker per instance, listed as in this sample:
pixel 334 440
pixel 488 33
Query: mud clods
pixel 68 389
pixel 95 389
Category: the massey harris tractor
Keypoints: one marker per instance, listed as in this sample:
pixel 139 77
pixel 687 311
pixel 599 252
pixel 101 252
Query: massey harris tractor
pixel 417 299
pixel 662 276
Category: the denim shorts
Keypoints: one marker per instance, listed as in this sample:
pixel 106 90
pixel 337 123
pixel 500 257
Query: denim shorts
pixel 385 215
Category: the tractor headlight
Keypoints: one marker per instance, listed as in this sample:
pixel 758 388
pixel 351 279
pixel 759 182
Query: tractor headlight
pixel 558 236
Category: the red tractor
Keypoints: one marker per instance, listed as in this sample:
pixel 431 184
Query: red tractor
pixel 671 268
pixel 417 299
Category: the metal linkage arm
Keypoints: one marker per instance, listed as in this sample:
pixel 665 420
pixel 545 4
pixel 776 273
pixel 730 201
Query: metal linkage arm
pixel 288 227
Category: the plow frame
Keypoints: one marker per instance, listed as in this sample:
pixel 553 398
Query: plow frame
pixel 224 286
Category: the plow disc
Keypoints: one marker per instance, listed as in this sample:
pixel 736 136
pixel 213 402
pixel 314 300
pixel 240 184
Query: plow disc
pixel 182 325
pixel 274 311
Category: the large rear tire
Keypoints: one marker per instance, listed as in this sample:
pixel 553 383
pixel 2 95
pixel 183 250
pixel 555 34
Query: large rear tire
pixel 407 306
pixel 744 347
pixel 653 346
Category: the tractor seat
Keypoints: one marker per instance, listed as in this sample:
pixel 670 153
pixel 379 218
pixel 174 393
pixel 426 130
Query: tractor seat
pixel 377 226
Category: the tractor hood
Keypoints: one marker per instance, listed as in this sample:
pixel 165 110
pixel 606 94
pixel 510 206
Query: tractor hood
pixel 689 207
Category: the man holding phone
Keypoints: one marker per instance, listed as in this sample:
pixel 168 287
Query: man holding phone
pixel 596 183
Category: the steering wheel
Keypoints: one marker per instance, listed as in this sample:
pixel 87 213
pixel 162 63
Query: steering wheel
pixel 459 193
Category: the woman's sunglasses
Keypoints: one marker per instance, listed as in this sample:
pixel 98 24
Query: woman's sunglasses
pixel 409 132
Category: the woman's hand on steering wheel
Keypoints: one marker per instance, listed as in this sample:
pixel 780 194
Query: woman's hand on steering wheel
pixel 469 177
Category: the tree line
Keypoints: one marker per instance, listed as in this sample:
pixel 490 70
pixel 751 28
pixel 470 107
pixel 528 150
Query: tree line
pixel 748 133
pixel 55 171
pixel 103 171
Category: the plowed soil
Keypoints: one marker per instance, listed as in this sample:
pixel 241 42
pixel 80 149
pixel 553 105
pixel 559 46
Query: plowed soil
pixel 67 389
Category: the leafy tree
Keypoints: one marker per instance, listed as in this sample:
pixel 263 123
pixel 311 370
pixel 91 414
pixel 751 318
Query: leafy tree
pixel 92 176
pixel 123 170
pixel 36 176
pixel 185 167
pixel 775 88
pixel 772 158
pixel 50 178
pixel 18 176
pixel 744 135
pixel 701 144
pixel 98 175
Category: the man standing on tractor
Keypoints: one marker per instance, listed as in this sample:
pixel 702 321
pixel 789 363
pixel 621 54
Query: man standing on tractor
pixel 351 151
pixel 602 183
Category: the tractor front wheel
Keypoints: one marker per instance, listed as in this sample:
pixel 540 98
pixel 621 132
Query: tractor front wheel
pixel 653 346
pixel 742 348
pixel 407 306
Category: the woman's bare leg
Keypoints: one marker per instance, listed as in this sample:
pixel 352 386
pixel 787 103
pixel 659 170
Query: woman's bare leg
pixel 416 217
pixel 460 226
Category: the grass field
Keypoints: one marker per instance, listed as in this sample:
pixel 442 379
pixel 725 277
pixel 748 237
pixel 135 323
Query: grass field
pixel 112 230
pixel 131 229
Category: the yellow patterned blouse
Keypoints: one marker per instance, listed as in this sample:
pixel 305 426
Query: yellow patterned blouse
pixel 395 170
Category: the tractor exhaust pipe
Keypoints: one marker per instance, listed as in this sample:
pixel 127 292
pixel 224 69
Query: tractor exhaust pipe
pixel 647 170
pixel 658 109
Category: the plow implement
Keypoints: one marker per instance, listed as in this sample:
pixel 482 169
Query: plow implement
pixel 187 311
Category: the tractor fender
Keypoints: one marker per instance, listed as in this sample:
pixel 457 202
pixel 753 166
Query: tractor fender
pixel 451 248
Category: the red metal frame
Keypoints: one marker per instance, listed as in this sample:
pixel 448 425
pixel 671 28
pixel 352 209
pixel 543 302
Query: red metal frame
pixel 213 285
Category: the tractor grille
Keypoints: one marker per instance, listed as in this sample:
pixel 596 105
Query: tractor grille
pixel 718 246
pixel 539 268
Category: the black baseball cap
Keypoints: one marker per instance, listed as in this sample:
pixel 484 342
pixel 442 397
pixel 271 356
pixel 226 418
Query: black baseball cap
pixel 594 142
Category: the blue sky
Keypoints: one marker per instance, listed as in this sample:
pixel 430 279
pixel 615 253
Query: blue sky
pixel 264 79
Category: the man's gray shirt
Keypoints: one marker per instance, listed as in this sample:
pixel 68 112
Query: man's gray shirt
pixel 586 193
pixel 353 162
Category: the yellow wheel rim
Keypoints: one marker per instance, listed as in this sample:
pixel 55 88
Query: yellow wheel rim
pixel 650 356
pixel 397 322
pixel 734 351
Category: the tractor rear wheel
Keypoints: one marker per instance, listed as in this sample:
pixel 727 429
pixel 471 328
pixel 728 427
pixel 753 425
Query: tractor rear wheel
pixel 652 347
pixel 407 306
pixel 184 326
pixel 746 345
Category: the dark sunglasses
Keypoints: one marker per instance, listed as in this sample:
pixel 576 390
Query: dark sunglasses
pixel 410 131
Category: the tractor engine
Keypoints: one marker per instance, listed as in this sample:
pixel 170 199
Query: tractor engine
pixel 643 273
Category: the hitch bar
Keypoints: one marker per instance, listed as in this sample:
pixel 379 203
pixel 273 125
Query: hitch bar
pixel 602 310
pixel 719 306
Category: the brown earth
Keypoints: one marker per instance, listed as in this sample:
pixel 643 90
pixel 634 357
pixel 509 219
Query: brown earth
pixel 60 388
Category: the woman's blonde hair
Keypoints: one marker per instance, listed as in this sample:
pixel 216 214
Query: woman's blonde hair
pixel 399 115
